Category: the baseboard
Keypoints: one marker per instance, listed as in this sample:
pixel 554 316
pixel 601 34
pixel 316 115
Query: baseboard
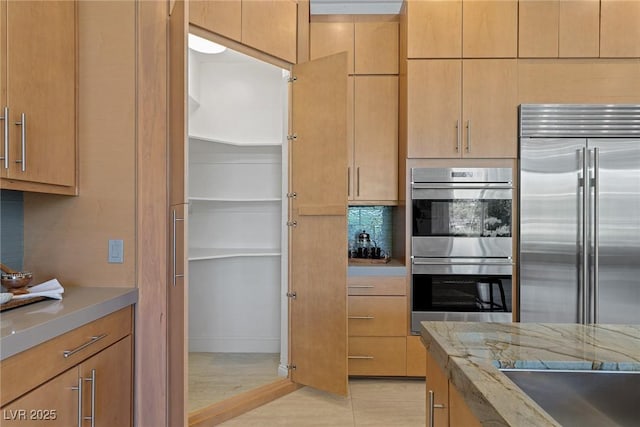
pixel 222 411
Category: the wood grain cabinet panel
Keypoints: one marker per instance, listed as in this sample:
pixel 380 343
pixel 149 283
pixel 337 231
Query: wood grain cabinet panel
pixel 375 152
pixel 462 108
pixel 377 316
pixel 438 385
pixel 538 28
pixel 222 17
pixel 376 47
pixel 41 100
pixel 489 29
pixel 434 29
pixel 271 26
pixel 377 356
pixel 460 414
pixel 620 28
pixel 416 357
pixel 327 38
pixel 377 285
pixel 579 29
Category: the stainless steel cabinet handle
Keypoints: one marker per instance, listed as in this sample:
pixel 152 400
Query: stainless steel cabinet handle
pixel 432 406
pixel 358 181
pixel 23 143
pixel 468 136
pixel 585 235
pixel 457 136
pixel 349 181
pixel 174 248
pixel 5 118
pixel 79 388
pixel 68 353
pixel 596 232
pixel 360 317
pixel 92 418
pixel 361 357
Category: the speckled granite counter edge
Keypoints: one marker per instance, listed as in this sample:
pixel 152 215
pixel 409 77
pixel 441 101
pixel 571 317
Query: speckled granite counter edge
pixel 116 299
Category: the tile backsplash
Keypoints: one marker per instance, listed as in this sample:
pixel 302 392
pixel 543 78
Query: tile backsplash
pixel 11 229
pixel 375 220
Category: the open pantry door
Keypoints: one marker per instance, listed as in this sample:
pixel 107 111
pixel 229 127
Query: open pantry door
pixel 318 224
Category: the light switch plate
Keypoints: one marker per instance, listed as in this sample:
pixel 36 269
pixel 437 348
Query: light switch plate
pixel 116 251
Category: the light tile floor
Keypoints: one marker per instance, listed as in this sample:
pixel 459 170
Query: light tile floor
pixel 371 402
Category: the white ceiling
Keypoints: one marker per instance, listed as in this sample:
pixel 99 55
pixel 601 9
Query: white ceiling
pixel 332 7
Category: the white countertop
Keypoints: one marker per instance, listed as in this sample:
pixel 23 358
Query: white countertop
pixel 24 327
pixel 470 355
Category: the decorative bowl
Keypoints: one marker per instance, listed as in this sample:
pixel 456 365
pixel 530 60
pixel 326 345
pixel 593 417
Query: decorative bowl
pixel 16 281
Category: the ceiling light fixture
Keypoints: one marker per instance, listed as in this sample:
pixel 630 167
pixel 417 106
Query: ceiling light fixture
pixel 203 45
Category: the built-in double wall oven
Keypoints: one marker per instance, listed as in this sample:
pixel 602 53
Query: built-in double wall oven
pixel 461 244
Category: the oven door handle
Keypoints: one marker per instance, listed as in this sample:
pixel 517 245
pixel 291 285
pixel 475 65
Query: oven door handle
pixel 462 186
pixel 497 261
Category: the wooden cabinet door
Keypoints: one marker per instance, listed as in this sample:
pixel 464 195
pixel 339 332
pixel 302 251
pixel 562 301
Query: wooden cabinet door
pixel 376 138
pixel 438 386
pixel 328 38
pixel 416 357
pixel 318 243
pixel 490 28
pixel 271 26
pixel 460 414
pixel 4 139
pixel 41 82
pixel 376 47
pixel 107 394
pixel 434 103
pixel 579 29
pixel 538 28
pixel 619 28
pixel 434 29
pixel 490 108
pixel 218 16
pixel 377 316
pixel 55 403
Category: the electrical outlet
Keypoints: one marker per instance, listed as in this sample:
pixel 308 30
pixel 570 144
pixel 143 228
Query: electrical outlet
pixel 116 251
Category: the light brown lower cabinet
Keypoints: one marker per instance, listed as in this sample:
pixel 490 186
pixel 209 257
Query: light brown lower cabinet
pixel 416 357
pixel 445 405
pixel 94 388
pixel 377 356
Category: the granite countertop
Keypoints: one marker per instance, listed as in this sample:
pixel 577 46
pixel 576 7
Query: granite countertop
pixel 471 353
pixel 24 327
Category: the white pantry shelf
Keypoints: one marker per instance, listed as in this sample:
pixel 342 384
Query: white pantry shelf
pixel 232 200
pixel 201 254
pixel 252 143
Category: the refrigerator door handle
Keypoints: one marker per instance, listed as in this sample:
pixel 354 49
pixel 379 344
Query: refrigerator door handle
pixel 596 231
pixel 582 286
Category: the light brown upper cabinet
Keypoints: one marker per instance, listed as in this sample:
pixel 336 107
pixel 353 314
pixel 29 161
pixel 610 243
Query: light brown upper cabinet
pixel 376 47
pixel 38 96
pixel 271 26
pixel 373 173
pixel 620 28
pixel 371 45
pixel 462 108
pixel 222 17
pixel 554 28
pixel 462 28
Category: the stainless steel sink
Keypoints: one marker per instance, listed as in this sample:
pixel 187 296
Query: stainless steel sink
pixel 583 398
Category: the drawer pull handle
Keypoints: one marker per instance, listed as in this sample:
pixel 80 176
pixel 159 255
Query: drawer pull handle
pixel 79 389
pixel 361 317
pixel 68 353
pixel 361 357
pixel 432 406
pixel 362 286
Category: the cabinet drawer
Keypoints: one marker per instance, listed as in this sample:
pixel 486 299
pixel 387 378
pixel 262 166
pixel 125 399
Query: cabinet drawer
pixel 377 316
pixel 377 356
pixel 27 370
pixel 377 285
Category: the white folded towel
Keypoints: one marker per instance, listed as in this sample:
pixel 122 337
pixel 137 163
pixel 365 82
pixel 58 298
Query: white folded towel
pixel 50 289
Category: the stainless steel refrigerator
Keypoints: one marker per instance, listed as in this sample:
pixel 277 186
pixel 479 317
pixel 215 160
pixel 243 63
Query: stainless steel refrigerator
pixel 579 204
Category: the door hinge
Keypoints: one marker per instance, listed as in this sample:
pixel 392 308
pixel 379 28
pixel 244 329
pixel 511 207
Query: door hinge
pixel 292 295
pixel 291 367
pixel 292 137
pixel 292 223
pixel 292 195
pixel 292 79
